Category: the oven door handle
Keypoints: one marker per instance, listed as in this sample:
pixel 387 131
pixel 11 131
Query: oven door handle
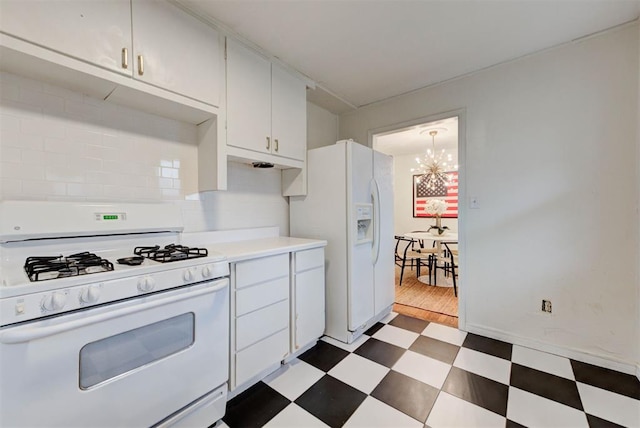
pixel 31 332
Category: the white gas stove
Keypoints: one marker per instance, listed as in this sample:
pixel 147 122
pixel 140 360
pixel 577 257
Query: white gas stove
pixel 108 292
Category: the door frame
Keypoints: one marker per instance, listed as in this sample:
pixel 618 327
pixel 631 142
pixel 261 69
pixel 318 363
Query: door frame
pixel 462 191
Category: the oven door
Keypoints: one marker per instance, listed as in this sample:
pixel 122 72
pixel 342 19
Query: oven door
pixel 129 364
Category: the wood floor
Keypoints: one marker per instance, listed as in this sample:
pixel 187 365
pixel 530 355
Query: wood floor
pixel 426 315
pixel 415 297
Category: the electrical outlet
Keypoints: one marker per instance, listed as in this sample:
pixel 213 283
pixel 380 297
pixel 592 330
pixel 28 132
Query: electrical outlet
pixel 546 306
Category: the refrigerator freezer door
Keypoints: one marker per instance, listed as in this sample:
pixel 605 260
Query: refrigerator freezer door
pixel 384 279
pixel 360 269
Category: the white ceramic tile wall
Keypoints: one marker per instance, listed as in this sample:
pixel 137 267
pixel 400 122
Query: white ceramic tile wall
pixel 60 144
pixel 57 144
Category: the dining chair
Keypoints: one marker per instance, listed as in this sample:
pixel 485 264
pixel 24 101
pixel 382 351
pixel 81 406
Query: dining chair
pixel 450 265
pixel 415 256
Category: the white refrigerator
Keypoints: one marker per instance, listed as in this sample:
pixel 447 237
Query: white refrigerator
pixel 349 203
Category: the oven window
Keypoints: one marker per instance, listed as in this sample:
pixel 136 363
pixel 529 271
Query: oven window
pixel 115 355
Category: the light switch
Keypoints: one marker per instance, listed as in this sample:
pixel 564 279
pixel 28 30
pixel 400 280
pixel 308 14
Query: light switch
pixel 474 204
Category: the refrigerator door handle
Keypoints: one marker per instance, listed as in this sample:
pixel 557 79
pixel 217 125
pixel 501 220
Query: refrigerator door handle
pixel 375 196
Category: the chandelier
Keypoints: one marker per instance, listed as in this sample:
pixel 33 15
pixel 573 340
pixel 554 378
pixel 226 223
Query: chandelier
pixel 433 167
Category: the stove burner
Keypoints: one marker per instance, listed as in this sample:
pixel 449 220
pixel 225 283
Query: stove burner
pixel 170 253
pixel 42 268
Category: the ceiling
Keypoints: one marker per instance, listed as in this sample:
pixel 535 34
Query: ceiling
pixel 362 51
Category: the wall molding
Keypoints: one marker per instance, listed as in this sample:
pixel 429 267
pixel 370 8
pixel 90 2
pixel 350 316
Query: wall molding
pixel 563 351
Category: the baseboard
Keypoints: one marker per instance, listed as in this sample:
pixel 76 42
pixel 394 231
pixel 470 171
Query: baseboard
pixel 563 351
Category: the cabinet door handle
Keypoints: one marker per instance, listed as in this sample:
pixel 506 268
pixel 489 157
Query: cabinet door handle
pixel 125 58
pixel 140 65
pixel 275 142
pixel 268 143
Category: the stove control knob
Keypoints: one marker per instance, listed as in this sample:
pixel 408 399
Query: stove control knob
pixel 207 272
pixel 146 284
pixel 91 294
pixel 188 275
pixel 54 301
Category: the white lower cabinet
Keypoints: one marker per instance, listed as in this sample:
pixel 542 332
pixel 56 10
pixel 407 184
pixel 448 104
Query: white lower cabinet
pixel 307 302
pixel 259 316
pixel 277 310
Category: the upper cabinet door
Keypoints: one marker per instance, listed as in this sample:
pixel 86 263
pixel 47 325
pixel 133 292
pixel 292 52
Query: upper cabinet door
pixel 176 51
pixel 289 114
pixel 93 31
pixel 248 99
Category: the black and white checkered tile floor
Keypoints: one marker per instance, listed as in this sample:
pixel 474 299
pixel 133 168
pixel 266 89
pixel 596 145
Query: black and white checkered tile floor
pixel 407 372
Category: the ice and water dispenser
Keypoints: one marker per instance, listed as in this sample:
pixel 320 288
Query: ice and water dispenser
pixel 364 220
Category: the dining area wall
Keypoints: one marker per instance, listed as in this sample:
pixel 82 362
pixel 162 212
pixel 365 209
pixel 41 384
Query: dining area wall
pixel 403 196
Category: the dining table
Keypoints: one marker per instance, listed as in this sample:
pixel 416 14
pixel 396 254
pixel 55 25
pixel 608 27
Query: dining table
pixel 448 237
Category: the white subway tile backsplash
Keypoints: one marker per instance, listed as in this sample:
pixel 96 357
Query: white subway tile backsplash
pixel 170 173
pixel 97 177
pixel 164 183
pixel 104 153
pixel 118 192
pixel 41 100
pixel 11 139
pixel 44 188
pixel 68 174
pixel 21 171
pixel 84 189
pixel 9 91
pixel 88 149
pixel 59 159
pixel 11 154
pixel 41 127
pixel 35 157
pixel 11 188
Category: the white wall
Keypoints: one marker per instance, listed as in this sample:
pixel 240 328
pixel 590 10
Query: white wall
pixel 322 127
pixel 637 179
pixel 57 144
pixel 551 155
pixel 403 199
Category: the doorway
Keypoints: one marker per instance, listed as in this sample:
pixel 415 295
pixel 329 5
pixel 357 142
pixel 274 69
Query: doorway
pixel 415 147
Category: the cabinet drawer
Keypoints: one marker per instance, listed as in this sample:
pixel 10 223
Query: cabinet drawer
pixel 258 357
pixel 309 259
pixel 257 325
pixel 258 296
pixel 259 270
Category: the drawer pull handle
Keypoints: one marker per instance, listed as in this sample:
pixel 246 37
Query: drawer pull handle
pixel 125 58
pixel 140 65
pixel 276 144
pixel 268 143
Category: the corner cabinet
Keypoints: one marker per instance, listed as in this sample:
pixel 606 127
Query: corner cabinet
pixel 266 109
pixel 277 312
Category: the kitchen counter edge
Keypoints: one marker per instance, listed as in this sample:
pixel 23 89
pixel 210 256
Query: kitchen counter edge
pixel 255 248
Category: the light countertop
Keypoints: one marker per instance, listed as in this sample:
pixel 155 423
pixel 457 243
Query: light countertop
pixel 254 248
pixel 238 245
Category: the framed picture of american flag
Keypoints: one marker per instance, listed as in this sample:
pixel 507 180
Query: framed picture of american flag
pixel 421 194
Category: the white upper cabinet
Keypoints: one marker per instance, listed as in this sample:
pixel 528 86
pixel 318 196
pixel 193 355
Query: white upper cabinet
pixel 175 51
pixel 93 31
pixel 288 114
pixel 152 41
pixel 248 99
pixel 266 106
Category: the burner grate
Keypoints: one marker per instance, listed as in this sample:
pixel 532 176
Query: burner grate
pixel 42 268
pixel 170 253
